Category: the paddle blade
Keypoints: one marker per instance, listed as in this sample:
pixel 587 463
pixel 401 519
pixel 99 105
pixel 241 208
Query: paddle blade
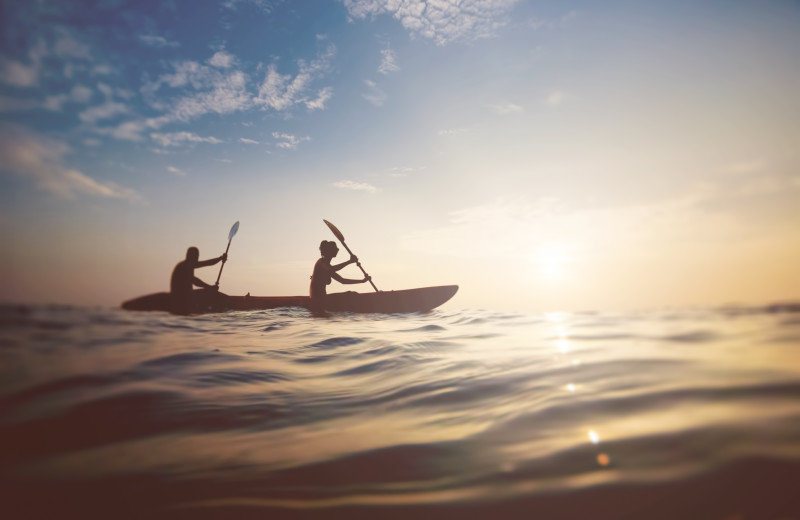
pixel 234 230
pixel 335 231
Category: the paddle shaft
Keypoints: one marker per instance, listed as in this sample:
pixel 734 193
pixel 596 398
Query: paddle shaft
pixel 223 262
pixel 359 265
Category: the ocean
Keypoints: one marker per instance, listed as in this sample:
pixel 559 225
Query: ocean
pixel 467 414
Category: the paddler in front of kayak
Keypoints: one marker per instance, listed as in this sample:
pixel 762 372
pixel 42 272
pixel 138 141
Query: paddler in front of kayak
pixel 183 278
pixel 324 271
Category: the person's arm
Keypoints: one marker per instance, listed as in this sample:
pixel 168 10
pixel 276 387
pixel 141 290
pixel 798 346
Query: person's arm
pixel 200 283
pixel 353 259
pixel 212 261
pixel 348 281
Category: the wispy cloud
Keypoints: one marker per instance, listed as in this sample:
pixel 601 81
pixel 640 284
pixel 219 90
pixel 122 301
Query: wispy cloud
pixel 288 141
pixel 176 171
pixel 228 94
pixel 102 70
pixel 20 74
pixel 78 95
pixel 42 160
pixel 107 110
pixel 322 97
pixel 267 6
pixel 454 131
pixel 388 61
pixel 282 91
pixel 356 186
pixel 374 94
pixel 68 46
pixel 222 60
pixel 441 21
pixel 506 108
pixel 247 141
pixel 179 138
pixel 65 53
pixel 404 171
pixel 215 91
pixel 156 41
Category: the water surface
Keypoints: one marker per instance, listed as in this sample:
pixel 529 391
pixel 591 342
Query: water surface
pixel 691 413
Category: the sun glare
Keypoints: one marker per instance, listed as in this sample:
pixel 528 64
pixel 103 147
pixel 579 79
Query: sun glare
pixel 551 262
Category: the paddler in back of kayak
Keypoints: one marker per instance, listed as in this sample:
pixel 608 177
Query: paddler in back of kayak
pixel 183 278
pixel 324 271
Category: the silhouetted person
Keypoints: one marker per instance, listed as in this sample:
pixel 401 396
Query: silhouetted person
pixel 183 278
pixel 324 271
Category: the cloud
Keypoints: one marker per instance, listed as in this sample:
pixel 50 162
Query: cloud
pixel 374 94
pixel 440 20
pixel 403 171
pixel 282 91
pixel 18 74
pixel 507 108
pixel 247 141
pixel 129 131
pixel 67 46
pixel 159 42
pixel 228 94
pixel 102 70
pixel 454 131
pixel 555 98
pixel 388 61
pixel 322 98
pixel 176 171
pixel 218 91
pixel 180 138
pixel 267 6
pixel 356 186
pixel 288 141
pixel 222 60
pixel 42 160
pixel 78 94
pixel 107 110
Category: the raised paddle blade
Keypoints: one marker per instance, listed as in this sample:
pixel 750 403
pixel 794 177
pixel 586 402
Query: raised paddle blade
pixel 335 230
pixel 234 230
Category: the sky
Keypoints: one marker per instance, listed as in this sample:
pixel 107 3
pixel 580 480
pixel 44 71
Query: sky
pixel 544 156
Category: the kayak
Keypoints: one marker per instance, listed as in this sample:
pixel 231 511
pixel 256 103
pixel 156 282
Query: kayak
pixel 388 302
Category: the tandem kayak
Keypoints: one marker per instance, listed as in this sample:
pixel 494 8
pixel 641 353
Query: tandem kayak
pixel 388 302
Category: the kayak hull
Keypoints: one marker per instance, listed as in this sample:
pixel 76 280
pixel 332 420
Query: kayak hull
pixel 388 302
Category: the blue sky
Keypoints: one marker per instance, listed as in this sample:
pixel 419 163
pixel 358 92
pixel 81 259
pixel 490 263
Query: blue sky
pixel 543 155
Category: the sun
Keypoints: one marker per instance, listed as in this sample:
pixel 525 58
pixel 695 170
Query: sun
pixel 551 261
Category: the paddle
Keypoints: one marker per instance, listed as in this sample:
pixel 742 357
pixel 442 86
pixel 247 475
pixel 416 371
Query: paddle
pixel 233 231
pixel 340 236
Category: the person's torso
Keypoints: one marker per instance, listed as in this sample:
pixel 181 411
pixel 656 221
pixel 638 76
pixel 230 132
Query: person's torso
pixel 181 281
pixel 320 278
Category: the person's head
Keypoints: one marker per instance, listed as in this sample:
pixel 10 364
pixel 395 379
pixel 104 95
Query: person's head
pixel 328 248
pixel 192 254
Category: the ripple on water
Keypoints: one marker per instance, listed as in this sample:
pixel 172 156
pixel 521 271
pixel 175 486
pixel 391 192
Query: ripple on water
pixel 185 359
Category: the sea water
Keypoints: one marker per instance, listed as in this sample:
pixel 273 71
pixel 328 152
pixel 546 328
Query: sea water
pixel 683 413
